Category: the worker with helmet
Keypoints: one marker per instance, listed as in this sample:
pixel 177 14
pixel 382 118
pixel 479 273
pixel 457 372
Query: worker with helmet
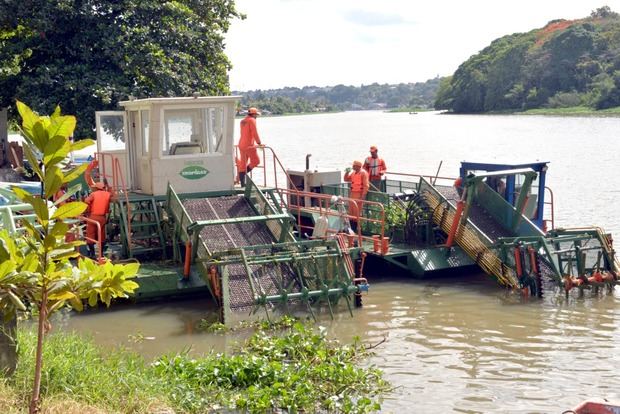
pixel 359 189
pixel 376 168
pixel 247 145
pixel 98 208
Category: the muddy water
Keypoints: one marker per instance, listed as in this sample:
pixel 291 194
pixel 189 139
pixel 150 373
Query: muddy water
pixel 457 344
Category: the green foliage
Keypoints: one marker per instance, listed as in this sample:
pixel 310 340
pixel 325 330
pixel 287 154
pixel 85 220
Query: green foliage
pixel 299 370
pixel 565 63
pixel 286 365
pixel 76 368
pixel 36 267
pixel 91 55
pixel 341 97
pixel 395 215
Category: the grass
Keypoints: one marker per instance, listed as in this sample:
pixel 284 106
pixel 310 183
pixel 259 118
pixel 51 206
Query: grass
pixel 290 366
pixel 573 111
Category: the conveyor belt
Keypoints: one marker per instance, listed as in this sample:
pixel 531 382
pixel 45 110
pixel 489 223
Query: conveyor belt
pixel 478 215
pixel 226 236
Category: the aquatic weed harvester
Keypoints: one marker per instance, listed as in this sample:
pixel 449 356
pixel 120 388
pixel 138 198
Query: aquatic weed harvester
pixel 285 242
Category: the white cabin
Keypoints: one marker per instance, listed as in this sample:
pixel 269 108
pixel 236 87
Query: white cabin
pixel 187 142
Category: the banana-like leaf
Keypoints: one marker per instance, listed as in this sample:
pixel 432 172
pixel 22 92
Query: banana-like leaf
pixel 41 210
pixel 75 173
pixel 40 137
pixel 62 126
pixel 29 118
pixel 53 180
pixel 83 143
pixel 69 210
pixel 32 159
pixel 56 150
pixel 16 300
pixel 23 195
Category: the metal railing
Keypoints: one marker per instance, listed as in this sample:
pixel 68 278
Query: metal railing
pixel 322 205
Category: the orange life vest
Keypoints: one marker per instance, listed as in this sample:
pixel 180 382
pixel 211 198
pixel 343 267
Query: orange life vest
pixel 249 133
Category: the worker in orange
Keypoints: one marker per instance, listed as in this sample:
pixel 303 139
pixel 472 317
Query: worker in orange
pixel 98 206
pixel 359 189
pixel 376 168
pixel 247 150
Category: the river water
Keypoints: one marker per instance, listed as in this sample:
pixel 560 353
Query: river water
pixel 456 344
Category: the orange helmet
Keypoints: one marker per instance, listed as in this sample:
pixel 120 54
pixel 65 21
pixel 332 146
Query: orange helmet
pixel 458 182
pixel 253 111
pixel 357 163
pixel 373 148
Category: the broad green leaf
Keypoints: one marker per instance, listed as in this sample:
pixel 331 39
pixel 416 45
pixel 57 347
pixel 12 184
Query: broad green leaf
pixel 70 210
pixel 40 209
pixel 32 159
pixel 60 228
pixel 53 180
pixel 75 173
pixel 83 143
pixel 62 126
pixel 40 138
pixel 49 242
pixel 6 267
pixel 57 113
pixel 29 118
pixel 92 298
pixel 130 269
pixel 76 303
pixel 63 255
pixel 32 231
pixel 23 195
pixel 56 150
pixel 129 286
pixel 16 301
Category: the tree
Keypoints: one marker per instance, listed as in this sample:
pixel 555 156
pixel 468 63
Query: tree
pixel 91 54
pixel 36 268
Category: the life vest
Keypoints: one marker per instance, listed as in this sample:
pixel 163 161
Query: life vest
pixel 357 181
pixel 374 166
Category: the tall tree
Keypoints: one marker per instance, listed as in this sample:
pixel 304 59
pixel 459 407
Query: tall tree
pixel 90 54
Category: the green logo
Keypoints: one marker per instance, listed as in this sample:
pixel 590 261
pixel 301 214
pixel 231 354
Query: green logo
pixel 194 172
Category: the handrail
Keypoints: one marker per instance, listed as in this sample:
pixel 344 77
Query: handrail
pixel 99 239
pixel 551 203
pixel 425 176
pixel 276 163
pixel 118 184
pixel 323 209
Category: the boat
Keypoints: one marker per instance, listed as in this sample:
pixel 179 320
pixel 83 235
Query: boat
pixel 285 242
pixel 595 406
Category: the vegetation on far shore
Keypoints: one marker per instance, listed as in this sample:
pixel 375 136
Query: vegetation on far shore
pixel 283 366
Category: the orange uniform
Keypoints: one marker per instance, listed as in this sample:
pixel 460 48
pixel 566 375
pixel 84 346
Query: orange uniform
pixel 249 138
pixel 359 188
pixel 99 206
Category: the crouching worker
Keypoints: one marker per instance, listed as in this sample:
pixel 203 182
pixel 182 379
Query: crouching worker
pixel 359 189
pixel 98 206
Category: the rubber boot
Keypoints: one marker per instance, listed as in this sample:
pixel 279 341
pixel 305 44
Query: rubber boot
pixel 242 179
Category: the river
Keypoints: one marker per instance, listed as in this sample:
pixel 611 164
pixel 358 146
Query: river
pixel 456 344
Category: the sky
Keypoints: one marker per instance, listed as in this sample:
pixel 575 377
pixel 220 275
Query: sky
pixel 329 42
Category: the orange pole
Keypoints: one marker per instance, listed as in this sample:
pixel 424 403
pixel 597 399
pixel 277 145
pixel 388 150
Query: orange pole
pixel 455 222
pixel 517 254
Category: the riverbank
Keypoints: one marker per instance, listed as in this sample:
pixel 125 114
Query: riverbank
pixel 288 365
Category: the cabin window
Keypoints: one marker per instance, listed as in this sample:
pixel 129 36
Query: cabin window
pixel 193 131
pixel 111 132
pixel 144 119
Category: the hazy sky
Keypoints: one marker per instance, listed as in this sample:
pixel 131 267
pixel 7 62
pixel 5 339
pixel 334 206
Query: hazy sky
pixel 330 42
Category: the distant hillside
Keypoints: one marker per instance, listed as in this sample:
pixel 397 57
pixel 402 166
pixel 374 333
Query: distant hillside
pixel 341 97
pixel 566 63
